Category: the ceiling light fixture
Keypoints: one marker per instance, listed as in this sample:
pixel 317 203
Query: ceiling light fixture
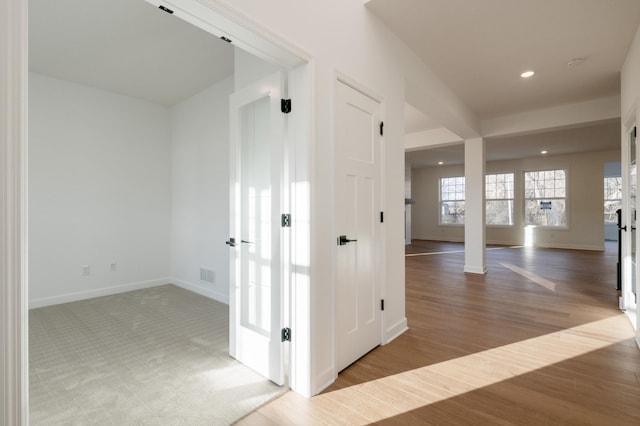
pixel 544 151
pixel 440 163
pixel 527 74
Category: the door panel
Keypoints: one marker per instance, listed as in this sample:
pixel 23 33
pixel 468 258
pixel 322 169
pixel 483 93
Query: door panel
pixel 255 270
pixel 357 219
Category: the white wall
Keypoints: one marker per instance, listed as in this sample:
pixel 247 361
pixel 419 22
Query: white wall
pixel 98 191
pixel 248 68
pixel 200 190
pixel 585 202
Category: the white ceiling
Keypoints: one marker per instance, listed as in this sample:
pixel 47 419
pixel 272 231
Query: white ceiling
pixel 596 137
pixel 124 46
pixel 480 47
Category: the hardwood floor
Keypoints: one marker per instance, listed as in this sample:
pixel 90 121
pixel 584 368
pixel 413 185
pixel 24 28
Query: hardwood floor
pixel 537 340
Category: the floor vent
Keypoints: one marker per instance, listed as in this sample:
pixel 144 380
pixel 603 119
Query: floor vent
pixel 207 275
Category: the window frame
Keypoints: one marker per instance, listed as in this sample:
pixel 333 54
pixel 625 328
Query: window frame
pixel 565 198
pixel 441 200
pixel 512 199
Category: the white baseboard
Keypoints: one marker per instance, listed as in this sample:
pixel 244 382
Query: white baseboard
pixel 201 290
pixel 395 330
pixel 90 294
pixel 445 239
pixel 515 243
pixel 475 269
pixel 325 379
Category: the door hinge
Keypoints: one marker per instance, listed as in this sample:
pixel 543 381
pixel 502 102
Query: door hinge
pixel 285 220
pixel 223 38
pixel 166 9
pixel 381 217
pixel 285 105
pixel 382 304
pixel 382 128
pixel 285 334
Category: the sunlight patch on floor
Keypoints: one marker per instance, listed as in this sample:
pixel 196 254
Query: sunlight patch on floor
pixel 453 251
pixel 549 285
pixel 400 393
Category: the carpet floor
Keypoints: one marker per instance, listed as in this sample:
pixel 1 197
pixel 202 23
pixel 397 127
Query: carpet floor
pixel 157 356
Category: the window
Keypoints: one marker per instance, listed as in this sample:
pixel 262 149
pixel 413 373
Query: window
pixel 452 200
pixel 499 198
pixel 545 195
pixel 612 198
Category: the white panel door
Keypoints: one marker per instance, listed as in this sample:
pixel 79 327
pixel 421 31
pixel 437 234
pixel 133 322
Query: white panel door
pixel 255 272
pixel 357 216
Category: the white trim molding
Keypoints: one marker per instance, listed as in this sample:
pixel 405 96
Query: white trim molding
pixel 14 408
pixel 97 292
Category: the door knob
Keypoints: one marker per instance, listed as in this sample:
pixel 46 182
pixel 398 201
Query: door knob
pixel 343 240
pixel 231 242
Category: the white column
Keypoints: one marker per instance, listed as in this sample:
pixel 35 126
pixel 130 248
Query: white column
pixel 14 408
pixel 474 207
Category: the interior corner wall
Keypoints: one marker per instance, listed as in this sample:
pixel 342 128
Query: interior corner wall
pixel 584 202
pixel 98 192
pixel 200 190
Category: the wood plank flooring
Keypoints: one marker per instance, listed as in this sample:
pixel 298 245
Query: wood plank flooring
pixel 537 340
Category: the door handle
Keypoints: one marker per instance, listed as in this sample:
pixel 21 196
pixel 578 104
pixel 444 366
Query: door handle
pixel 232 242
pixel 343 240
pixel 622 228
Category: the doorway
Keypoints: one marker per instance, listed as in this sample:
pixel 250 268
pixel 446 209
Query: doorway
pixel 204 274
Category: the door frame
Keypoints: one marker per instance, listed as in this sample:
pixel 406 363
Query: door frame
pixel 219 20
pixel 342 77
pixel 630 120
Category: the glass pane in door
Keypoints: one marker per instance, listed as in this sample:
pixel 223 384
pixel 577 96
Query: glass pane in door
pixel 255 217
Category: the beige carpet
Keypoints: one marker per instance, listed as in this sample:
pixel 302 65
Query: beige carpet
pixel 151 357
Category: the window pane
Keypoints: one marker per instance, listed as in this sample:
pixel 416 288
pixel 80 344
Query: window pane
pixel 499 199
pixel 610 208
pixel 545 193
pixel 543 212
pixel 452 212
pixel 612 188
pixel 499 212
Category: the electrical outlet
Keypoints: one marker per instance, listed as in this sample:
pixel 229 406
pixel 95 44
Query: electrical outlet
pixel 113 266
pixel 86 270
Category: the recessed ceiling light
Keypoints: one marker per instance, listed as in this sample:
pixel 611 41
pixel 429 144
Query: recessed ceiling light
pixel 575 62
pixel 527 74
pixel 544 151
pixel 440 163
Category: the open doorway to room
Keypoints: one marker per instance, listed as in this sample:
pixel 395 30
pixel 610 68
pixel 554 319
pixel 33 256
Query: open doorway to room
pixel 129 213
